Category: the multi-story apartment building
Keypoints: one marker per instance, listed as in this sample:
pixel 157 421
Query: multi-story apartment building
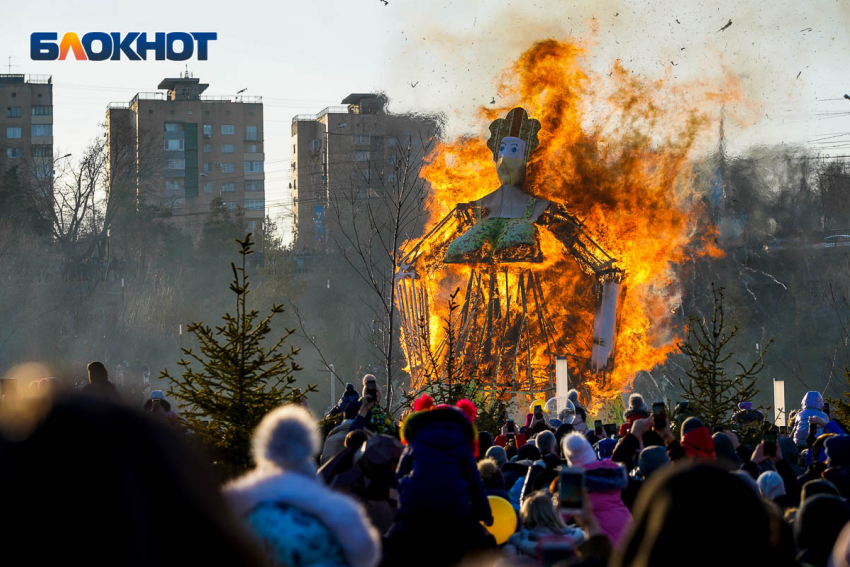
pixel 26 126
pixel 345 153
pixel 180 150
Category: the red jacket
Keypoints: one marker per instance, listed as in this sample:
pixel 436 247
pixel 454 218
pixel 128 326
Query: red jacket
pixel 631 417
pixel 501 440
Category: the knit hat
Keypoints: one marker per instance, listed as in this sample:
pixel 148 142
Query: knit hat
pixel 287 438
pixel 838 450
pixel 528 452
pixel 771 485
pixel 573 396
pixel 724 449
pixel 636 405
pixel 498 454
pixel 577 450
pixel 651 458
pixel 817 486
pixel 158 395
pixel 691 423
pixel 605 448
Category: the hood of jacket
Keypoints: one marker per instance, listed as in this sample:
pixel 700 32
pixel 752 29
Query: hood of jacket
pixel 345 518
pixel 605 476
pixel 698 443
pixel 812 400
pixel 443 428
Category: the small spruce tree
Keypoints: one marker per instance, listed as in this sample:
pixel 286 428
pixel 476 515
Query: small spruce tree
pixel 713 395
pixel 239 379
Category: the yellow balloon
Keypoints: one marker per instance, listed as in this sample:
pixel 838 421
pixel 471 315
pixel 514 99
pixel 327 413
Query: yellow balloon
pixel 504 519
pixel 540 403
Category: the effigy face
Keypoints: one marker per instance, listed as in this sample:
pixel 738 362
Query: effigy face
pixel 510 167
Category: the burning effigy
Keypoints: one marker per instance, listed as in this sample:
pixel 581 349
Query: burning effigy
pixel 569 247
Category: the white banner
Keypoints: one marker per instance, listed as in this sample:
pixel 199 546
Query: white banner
pixel 562 380
pixel 779 402
pixel 605 326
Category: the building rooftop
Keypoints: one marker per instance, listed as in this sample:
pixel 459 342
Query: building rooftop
pixel 20 79
pixel 171 84
pixel 355 98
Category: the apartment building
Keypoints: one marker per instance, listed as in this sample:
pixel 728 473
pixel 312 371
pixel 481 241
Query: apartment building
pixel 26 126
pixel 345 153
pixel 179 150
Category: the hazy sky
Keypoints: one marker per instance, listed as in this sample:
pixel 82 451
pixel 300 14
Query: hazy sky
pixel 792 57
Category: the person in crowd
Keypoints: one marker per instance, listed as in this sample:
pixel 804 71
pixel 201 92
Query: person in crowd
pixel 505 437
pixel 107 484
pixel 680 508
pixel 491 476
pixel 299 520
pixel 815 487
pixel 837 449
pixel 724 449
pixel 605 448
pixel 604 481
pixel 811 406
pixel 540 523
pixel 485 441
pixel 746 416
pixel 99 384
pixel 441 495
pixel 815 459
pixel 580 420
pixel 344 460
pixel 637 410
pixel 336 438
pixel 696 442
pixel 349 396
pixel 545 468
pixel 816 528
pixel 650 460
pixel 528 452
pixel 158 406
pixel 498 454
pixel 772 489
pixel 372 478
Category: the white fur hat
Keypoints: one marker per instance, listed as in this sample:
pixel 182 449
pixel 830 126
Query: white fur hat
pixel 286 438
pixel 577 450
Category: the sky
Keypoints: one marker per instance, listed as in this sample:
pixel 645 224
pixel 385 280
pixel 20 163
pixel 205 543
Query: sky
pixel 791 58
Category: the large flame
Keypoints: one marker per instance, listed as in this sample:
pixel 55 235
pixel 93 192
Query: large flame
pixel 618 152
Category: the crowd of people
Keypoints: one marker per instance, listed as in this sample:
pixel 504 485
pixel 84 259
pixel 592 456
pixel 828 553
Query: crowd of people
pixel 100 483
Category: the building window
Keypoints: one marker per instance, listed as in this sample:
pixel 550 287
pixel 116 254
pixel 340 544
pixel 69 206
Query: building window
pixel 229 206
pixel 361 156
pixel 43 170
pixel 207 186
pixel 253 185
pixel 391 142
pixel 172 127
pixel 255 204
pixel 174 145
pixel 42 150
pixel 227 112
pixel 13 153
pixel 250 148
pixel 207 148
pixel 13 132
pixel 42 110
pixel 390 159
pixel 228 129
pixel 391 177
pixel 315 145
pixel 250 132
pixel 250 114
pixel 172 185
pixel 42 130
pixel 228 167
pixel 228 148
pixel 191 112
pixel 253 166
pixel 228 187
pixel 206 113
pixel 13 112
pixel 207 167
pixel 172 163
pixel 207 130
pixel 252 225
pixel 150 111
pixel 362 139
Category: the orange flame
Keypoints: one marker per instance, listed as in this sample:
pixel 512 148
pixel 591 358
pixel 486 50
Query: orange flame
pixel 620 160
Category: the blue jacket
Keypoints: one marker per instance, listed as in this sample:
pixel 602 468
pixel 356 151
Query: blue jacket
pixel 437 473
pixel 812 406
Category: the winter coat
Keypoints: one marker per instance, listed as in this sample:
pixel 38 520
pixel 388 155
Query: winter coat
pixel 604 480
pixel 437 473
pixel 631 417
pixel 526 542
pixel 812 406
pixel 502 440
pixel 840 477
pixel 300 522
pixel 697 443
pixel 336 440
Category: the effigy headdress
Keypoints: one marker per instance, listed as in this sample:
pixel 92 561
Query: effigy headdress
pixel 515 124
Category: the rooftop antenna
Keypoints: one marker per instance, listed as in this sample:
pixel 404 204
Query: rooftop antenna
pixel 9 63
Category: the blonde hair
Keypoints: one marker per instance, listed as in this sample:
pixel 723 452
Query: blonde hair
pixel 487 468
pixel 538 511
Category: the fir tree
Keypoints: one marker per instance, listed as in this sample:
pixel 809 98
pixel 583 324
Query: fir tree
pixel 239 380
pixel 712 394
